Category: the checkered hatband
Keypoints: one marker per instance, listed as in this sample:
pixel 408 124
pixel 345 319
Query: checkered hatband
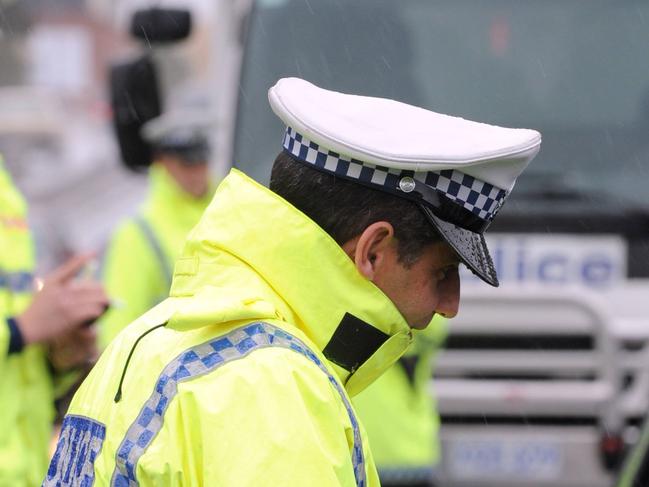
pixel 480 198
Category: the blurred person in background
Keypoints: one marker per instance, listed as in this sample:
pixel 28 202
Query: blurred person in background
pixel 406 448
pixel 635 470
pixel 43 338
pixel 139 260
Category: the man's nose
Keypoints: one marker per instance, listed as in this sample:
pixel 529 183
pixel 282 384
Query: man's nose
pixel 449 299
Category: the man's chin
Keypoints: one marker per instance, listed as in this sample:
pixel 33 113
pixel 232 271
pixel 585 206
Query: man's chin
pixel 423 323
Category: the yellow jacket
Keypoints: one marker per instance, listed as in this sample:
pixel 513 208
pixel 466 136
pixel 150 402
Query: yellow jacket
pixel 150 243
pixel 406 447
pixel 269 330
pixel 26 386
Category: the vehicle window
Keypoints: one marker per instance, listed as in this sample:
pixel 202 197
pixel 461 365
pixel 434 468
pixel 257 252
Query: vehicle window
pixel 570 69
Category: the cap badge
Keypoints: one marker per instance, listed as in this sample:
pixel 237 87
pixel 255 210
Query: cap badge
pixel 407 184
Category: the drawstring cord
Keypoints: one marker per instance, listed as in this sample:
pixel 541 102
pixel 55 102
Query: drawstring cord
pixel 118 396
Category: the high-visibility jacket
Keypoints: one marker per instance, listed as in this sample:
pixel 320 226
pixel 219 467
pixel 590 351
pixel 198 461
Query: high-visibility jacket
pixel 400 416
pixel 26 385
pixel 149 242
pixel 270 329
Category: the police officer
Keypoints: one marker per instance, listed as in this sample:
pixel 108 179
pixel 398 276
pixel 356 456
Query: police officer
pixel 635 470
pixel 406 449
pixel 41 336
pixel 287 302
pixel 179 192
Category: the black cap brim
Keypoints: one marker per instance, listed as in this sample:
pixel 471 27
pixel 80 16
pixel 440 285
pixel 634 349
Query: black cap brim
pixel 470 246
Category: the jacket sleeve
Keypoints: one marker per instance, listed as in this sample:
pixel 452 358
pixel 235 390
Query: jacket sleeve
pixel 271 418
pixel 133 281
pixel 11 339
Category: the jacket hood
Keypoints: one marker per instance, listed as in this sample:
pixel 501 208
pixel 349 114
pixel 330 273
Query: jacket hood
pixel 253 256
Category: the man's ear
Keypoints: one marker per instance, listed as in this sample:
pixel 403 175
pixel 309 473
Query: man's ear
pixel 368 250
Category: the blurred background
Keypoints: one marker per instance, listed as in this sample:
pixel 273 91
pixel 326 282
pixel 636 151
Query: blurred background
pixel 55 116
pixel 542 382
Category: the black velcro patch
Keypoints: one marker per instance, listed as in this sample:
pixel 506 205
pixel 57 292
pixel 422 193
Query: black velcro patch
pixel 353 342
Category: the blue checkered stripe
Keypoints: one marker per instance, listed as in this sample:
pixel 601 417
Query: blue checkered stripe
pixel 17 282
pixel 203 359
pixel 76 451
pixel 479 197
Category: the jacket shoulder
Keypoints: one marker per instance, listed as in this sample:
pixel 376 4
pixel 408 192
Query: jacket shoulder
pixel 275 405
pixel 265 372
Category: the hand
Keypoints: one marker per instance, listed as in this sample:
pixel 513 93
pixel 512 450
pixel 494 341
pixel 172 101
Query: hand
pixel 74 349
pixel 62 304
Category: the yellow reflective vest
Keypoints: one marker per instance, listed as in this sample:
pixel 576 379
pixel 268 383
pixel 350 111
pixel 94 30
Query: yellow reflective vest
pixel 139 260
pixel 26 386
pixel 243 376
pixel 400 415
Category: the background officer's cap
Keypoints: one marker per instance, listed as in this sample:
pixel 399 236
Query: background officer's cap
pixel 459 172
pixel 183 129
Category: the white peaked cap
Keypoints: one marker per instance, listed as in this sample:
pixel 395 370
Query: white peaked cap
pixel 459 171
pixel 401 136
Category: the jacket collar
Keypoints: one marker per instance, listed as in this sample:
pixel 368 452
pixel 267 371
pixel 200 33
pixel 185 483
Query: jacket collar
pixel 255 256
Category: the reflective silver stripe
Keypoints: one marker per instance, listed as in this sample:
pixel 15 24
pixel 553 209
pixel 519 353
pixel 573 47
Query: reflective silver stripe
pixel 79 445
pixel 154 243
pixel 200 360
pixel 17 282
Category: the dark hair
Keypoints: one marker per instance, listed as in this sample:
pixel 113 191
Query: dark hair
pixel 344 208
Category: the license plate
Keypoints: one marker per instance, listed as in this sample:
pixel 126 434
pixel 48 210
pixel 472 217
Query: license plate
pixel 482 458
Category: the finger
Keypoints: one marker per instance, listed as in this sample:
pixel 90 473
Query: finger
pixel 83 334
pixel 86 290
pixel 87 334
pixel 70 268
pixel 86 314
pixel 86 296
